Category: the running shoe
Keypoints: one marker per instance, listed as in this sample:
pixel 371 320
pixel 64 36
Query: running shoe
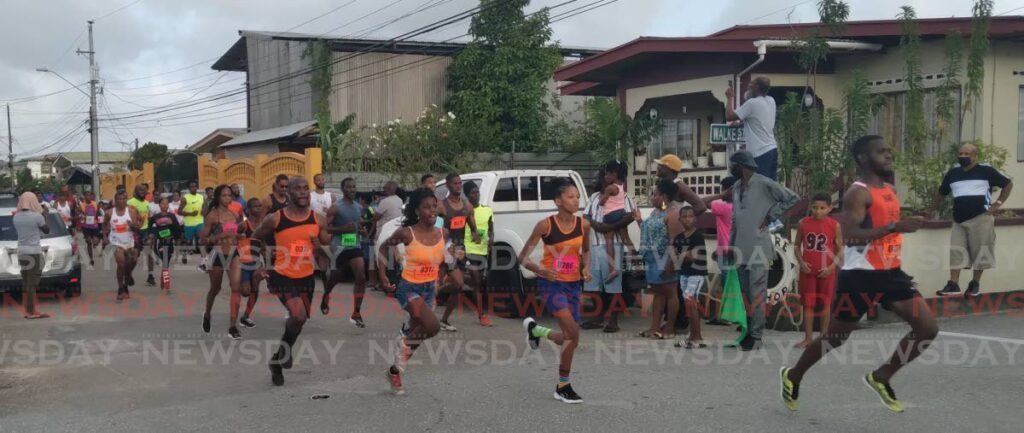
pixel 403 354
pixel 528 325
pixel 486 321
pixel 396 382
pixel 973 290
pixel 150 281
pixel 404 330
pixel 790 391
pixel 206 323
pixel 247 322
pixel 276 374
pixel 233 332
pixel 447 327
pixel 565 394
pixel 121 294
pixel 750 343
pixel 357 320
pixel 951 288
pixel 885 393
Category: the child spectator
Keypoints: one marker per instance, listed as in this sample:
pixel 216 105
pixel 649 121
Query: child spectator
pixel 613 200
pixel 819 252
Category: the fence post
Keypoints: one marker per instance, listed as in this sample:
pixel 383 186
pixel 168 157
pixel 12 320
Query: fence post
pixel 260 176
pixel 149 176
pixel 201 163
pixel 222 171
pixel 314 163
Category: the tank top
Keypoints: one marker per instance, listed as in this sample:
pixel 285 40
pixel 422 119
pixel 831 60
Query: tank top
pixel 422 261
pixel 193 203
pixel 320 202
pixel 175 205
pixel 120 229
pixel 91 212
pixel 882 253
pixel 163 225
pixel 277 205
pixel 142 206
pixel 64 211
pixel 457 220
pixel 562 250
pixel 819 240
pixel 293 256
pixel 615 202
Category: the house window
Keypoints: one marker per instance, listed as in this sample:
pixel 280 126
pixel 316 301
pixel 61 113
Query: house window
pixel 890 121
pixel 1020 124
pixel 679 137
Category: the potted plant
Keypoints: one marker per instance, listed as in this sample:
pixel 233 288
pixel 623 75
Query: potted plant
pixel 702 161
pixel 718 156
pixel 687 160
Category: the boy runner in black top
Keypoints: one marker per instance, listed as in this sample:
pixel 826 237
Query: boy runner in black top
pixel 458 215
pixel 165 230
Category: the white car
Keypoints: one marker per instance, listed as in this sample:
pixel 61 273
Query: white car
pixel 62 270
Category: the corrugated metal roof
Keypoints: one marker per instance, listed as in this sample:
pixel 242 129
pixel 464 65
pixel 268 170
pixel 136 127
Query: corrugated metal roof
pixel 287 131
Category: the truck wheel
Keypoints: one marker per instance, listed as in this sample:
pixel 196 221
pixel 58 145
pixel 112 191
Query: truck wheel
pixel 506 290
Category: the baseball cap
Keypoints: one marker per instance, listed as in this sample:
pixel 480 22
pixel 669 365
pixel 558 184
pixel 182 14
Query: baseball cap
pixel 671 161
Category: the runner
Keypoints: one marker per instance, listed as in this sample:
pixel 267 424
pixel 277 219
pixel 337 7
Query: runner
pixel 871 274
pixel 424 254
pixel 142 235
pixel 297 231
pixel 166 230
pixel 478 253
pixel 321 201
pixel 343 219
pixel 151 236
pixel 65 210
pixel 190 209
pixel 119 228
pixel 251 254
pixel 457 214
pixel 566 265
pixel 221 233
pixel 279 198
pixel 175 207
pixel 91 215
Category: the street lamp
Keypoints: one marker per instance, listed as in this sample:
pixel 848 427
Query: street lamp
pixel 62 77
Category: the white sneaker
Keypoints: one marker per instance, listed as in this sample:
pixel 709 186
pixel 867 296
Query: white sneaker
pixel 445 326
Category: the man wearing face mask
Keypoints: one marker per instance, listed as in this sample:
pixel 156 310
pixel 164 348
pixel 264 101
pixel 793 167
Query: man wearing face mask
pixel 757 115
pixel 757 200
pixel 972 243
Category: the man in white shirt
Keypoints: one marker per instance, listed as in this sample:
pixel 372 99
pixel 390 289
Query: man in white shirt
pixel 320 200
pixel 390 206
pixel 757 115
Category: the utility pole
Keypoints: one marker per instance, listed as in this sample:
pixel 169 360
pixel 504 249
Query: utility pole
pixel 94 136
pixel 136 146
pixel 10 150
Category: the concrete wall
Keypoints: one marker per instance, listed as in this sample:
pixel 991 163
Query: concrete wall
pixel 249 150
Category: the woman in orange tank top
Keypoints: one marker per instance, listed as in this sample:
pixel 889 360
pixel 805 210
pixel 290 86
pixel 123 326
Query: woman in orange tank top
pixel 424 253
pixel 221 232
pixel 561 273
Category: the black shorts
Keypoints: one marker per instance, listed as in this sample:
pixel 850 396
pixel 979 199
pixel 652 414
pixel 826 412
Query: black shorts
pixel 859 291
pixel 285 287
pixel 219 259
pixel 476 263
pixel 346 256
pixel 92 232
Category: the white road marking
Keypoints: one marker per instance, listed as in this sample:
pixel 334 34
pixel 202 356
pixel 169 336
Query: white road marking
pixel 982 337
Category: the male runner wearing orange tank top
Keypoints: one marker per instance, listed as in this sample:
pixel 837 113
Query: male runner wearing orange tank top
pixel 296 231
pixel 871 274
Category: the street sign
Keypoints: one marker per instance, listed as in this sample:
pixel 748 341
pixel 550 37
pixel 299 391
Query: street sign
pixel 722 133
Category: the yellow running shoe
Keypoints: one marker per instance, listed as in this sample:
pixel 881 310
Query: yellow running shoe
pixel 790 391
pixel 885 393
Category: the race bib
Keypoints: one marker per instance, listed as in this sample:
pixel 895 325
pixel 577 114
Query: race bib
pixel 164 234
pixel 300 250
pixel 425 271
pixel 349 240
pixel 482 233
pixel 567 265
pixel 121 228
pixel 458 223
pixel 90 220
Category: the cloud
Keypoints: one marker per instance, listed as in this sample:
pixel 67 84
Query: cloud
pixel 152 37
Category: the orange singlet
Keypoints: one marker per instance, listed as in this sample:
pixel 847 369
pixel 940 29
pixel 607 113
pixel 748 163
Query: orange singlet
pixel 882 253
pixel 422 261
pixel 293 256
pixel 562 250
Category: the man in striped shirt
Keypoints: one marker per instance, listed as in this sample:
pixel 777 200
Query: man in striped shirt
pixel 972 242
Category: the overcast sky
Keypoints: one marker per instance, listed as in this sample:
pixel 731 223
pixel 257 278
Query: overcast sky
pixel 157 52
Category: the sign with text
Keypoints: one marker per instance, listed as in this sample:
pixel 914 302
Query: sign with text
pixel 722 133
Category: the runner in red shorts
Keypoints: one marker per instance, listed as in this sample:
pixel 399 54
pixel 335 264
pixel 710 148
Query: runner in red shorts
pixel 819 252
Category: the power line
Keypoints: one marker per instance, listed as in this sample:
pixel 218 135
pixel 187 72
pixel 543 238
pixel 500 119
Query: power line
pixel 118 10
pixel 320 16
pixel 793 6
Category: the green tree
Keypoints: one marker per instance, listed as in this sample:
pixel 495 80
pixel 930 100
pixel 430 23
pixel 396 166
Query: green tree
pixel 149 152
pixel 25 180
pixel 499 82
pixel 608 133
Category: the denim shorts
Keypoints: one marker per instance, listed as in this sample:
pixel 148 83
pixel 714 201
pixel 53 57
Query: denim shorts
pixel 407 291
pixel 560 295
pixel 655 271
pixel 690 285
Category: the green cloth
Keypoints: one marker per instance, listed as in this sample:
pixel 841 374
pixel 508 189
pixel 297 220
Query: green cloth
pixel 482 215
pixel 732 309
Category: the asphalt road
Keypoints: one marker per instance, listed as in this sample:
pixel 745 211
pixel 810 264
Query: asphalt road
pixel 145 365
